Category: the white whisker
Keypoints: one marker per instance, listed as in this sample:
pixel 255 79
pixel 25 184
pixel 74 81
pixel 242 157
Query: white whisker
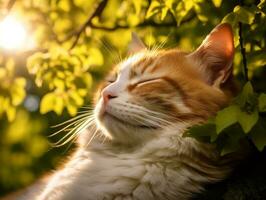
pixel 72 119
pixel 74 123
pixel 96 129
pixel 77 125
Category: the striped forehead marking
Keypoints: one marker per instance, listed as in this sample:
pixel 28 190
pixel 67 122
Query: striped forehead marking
pixel 126 68
pixel 142 66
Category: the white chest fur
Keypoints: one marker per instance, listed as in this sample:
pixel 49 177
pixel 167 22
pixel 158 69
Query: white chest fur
pixel 153 171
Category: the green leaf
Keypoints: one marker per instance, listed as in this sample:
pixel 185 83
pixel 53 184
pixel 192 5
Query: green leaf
pixel 248 99
pixel 72 109
pixel 47 103
pixel 11 113
pixel 202 17
pixel 244 15
pixel 59 105
pixel 168 6
pixel 188 5
pixel 262 4
pixel 76 98
pixel 244 111
pixel 52 102
pixel 230 18
pixel 64 5
pixel 256 59
pixel 201 12
pixel 133 20
pixel 182 10
pixel 240 14
pixel 164 12
pixel 262 102
pixel 137 5
pixel 217 3
pixel 258 134
pixel 18 92
pixel 169 3
pixel 248 115
pixel 246 93
pixel 230 140
pixel 154 8
pixel 205 132
pixel 248 89
pixel 247 120
pixel 229 147
pixel 226 118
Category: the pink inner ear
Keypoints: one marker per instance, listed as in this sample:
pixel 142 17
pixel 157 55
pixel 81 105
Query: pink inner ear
pixel 215 55
pixel 222 36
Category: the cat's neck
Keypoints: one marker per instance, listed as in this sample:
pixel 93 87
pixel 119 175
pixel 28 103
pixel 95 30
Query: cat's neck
pixel 173 134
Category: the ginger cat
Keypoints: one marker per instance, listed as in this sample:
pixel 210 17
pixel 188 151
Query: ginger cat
pixel 144 112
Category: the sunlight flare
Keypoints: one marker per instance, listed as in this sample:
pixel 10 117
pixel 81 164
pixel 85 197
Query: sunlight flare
pixel 13 34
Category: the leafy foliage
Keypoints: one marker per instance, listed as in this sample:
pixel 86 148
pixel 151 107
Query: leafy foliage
pixel 66 75
pixel 243 117
pixel 12 90
pixel 75 41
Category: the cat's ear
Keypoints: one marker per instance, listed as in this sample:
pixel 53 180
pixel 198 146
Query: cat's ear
pixel 136 44
pixel 214 57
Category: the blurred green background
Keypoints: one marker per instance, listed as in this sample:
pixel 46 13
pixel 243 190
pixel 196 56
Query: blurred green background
pixel 70 45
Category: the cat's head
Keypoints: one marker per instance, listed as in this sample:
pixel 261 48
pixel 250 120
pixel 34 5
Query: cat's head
pixel 152 90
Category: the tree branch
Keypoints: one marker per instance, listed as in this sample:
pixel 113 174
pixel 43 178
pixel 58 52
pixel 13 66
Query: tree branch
pixel 243 52
pixel 243 49
pixel 98 11
pixel 144 24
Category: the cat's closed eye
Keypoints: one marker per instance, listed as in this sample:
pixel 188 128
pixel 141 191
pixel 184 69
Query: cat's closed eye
pixel 147 81
pixel 157 83
pixel 111 78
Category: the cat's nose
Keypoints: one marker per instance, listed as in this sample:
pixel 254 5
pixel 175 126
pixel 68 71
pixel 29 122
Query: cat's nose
pixel 107 95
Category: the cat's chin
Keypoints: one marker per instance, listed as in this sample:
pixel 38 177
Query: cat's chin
pixel 123 131
pixel 126 123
